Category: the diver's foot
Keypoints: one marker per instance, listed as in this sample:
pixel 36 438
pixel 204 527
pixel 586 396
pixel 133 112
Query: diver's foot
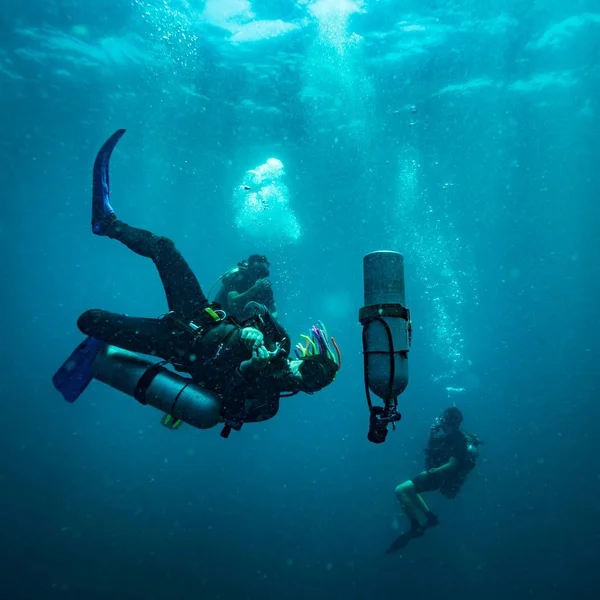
pixel 104 226
pixel 102 217
pixel 432 520
pixel 416 529
pixel 102 212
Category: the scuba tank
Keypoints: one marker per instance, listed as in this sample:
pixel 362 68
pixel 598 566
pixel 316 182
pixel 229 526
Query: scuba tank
pixel 225 277
pixel 473 443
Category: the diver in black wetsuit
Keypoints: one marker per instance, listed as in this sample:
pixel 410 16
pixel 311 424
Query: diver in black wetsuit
pixel 449 458
pixel 239 362
pixel 247 282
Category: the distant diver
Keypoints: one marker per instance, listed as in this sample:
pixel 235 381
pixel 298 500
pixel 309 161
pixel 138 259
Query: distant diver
pixel 239 371
pixel 244 283
pixel 450 456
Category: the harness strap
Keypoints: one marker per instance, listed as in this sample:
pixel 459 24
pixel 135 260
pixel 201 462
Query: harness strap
pixel 146 380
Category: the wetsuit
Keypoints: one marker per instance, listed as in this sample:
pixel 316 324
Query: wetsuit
pixel 240 282
pixel 441 448
pixel 212 355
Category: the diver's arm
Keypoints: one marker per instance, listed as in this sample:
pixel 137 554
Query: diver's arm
pixel 272 308
pixel 253 366
pixel 238 300
pixel 262 409
pixel 448 467
pixel 256 293
pixel 246 367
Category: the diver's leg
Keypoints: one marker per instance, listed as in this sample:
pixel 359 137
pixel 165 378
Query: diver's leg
pixel 410 496
pixel 154 337
pixel 407 497
pixel 184 295
pixel 421 505
pixel 101 207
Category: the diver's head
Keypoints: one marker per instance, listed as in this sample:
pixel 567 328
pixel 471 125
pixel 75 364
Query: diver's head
pixel 258 266
pixel 451 418
pixel 314 372
pixel 318 360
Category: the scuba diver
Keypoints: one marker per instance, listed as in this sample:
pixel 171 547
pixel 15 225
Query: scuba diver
pixel 247 282
pixel 246 364
pixel 450 456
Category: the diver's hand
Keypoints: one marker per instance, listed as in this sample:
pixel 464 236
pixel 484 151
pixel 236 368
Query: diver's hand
pixel 260 357
pixel 253 338
pixel 261 285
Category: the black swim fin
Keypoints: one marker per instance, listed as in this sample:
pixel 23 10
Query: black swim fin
pixel 404 538
pixel 400 542
pixel 101 207
pixel 76 373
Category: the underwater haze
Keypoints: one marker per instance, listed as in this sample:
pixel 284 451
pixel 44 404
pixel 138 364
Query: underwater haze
pixel 464 135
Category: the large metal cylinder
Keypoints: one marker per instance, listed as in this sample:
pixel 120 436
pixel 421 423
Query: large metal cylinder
pixel 168 392
pixel 384 278
pixel 384 293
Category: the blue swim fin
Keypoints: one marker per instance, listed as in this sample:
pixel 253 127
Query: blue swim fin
pixel 76 373
pixel 101 207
